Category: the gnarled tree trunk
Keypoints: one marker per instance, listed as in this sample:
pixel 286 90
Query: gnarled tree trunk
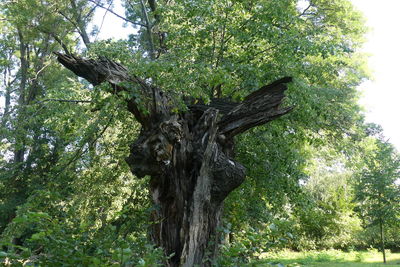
pixel 189 156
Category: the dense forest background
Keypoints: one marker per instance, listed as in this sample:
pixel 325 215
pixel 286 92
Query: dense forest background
pixel 317 178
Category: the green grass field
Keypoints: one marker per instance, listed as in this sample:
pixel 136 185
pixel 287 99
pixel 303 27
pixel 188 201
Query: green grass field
pixel 328 258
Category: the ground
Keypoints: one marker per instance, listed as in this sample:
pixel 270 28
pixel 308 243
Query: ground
pixel 329 258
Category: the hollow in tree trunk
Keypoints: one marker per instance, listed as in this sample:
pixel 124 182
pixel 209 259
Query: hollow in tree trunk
pixel 189 155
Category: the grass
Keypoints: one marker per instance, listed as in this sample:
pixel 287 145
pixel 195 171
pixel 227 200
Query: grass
pixel 328 258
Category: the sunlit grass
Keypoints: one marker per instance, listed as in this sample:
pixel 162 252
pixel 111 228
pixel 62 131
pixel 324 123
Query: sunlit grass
pixel 326 258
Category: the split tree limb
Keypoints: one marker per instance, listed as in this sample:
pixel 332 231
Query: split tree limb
pixel 257 108
pixel 105 70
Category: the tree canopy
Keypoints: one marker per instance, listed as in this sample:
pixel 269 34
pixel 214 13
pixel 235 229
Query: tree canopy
pixel 69 191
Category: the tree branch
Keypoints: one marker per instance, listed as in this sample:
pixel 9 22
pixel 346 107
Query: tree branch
pixel 153 103
pixel 305 10
pixel 58 40
pixel 117 15
pixel 82 34
pixel 257 109
pixel 64 100
pixel 80 23
pixel 148 28
pixel 96 71
pixel 102 20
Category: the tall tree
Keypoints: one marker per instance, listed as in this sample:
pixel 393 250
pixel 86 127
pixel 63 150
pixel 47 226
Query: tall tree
pixel 30 31
pixel 377 192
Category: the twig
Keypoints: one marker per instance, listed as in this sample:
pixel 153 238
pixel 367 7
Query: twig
pixel 80 32
pixel 119 16
pixel 58 40
pixel 305 10
pixel 39 71
pixel 81 149
pixel 102 20
pixel 64 100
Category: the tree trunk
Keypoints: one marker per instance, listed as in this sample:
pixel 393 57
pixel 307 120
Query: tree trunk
pixel 382 239
pixel 191 174
pixel 189 156
pixel 19 149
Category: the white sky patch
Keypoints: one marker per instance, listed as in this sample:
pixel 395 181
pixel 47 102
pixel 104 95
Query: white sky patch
pixel 111 27
pixel 381 96
pixel 302 4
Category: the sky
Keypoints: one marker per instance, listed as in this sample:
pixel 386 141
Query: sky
pixel 381 95
pixel 112 26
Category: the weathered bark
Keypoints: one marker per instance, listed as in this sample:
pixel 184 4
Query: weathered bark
pixel 188 156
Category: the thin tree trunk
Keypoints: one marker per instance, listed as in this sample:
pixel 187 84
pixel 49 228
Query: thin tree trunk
pixel 19 150
pixel 7 96
pixel 80 24
pixel 149 30
pixel 382 239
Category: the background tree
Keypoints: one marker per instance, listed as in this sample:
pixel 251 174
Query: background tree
pixel 32 30
pixel 378 194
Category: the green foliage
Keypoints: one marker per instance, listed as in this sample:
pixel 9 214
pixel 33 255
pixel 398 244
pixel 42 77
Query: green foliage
pixel 71 199
pixel 377 191
pixel 75 243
